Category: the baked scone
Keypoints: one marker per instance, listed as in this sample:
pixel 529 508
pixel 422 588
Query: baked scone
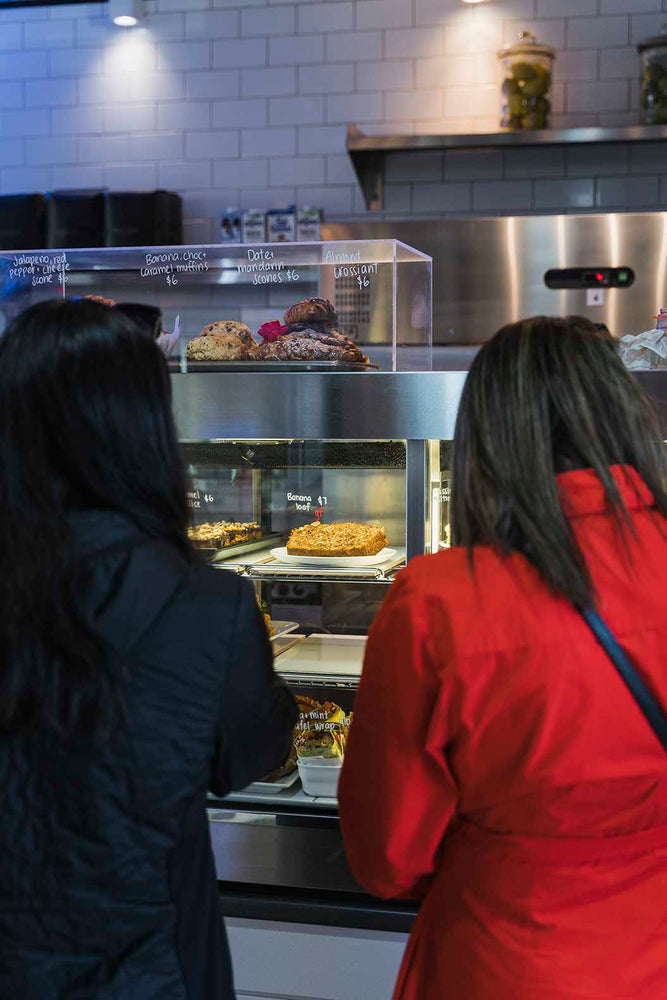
pixel 101 299
pixel 225 340
pixel 311 345
pixel 229 327
pixel 343 538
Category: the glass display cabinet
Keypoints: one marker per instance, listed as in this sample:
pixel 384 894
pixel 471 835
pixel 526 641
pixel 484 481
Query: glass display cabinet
pixel 270 453
pixel 380 290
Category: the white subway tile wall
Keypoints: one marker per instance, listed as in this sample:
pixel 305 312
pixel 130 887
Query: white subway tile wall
pixel 247 102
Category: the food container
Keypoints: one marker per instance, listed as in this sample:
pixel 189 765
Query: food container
pixel 653 95
pixel 526 87
pixel 320 775
pixel 308 224
pixel 648 350
pixel 281 225
pixel 253 226
pixel 230 226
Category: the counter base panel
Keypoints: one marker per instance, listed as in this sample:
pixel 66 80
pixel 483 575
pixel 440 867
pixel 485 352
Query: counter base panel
pixel 290 961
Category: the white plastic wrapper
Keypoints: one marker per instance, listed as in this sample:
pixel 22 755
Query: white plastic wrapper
pixel 167 341
pixel 648 350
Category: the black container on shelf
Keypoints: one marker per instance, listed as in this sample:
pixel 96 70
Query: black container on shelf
pixel 151 218
pixel 22 221
pixel 75 219
pixel 70 219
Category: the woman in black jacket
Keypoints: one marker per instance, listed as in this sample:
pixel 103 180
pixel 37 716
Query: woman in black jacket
pixel 132 678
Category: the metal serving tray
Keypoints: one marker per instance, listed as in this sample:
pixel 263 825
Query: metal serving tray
pixel 234 552
pixel 271 569
pixel 176 365
pixel 334 659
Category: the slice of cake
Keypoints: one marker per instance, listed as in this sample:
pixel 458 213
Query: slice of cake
pixel 344 538
pixel 222 534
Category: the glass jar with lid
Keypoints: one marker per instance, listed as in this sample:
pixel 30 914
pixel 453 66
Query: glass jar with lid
pixel 653 96
pixel 526 84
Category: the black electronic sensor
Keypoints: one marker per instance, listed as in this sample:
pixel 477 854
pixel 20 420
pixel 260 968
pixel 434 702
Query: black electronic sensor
pixel 589 277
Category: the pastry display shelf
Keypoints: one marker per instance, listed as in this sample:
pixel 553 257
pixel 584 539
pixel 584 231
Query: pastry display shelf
pixel 368 152
pixel 324 661
pixel 260 565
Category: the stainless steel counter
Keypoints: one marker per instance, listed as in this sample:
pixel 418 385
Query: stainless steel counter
pixel 412 406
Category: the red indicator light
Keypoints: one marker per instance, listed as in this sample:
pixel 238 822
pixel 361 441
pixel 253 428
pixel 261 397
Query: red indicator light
pixel 599 276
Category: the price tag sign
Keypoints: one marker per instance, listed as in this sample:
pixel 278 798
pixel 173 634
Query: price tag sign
pixel 264 268
pixel 173 263
pixel 307 503
pixel 196 499
pixel 41 269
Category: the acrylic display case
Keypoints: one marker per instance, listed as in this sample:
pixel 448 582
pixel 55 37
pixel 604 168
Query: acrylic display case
pixel 380 289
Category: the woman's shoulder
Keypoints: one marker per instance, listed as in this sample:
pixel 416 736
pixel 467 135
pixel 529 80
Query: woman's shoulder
pixel 454 568
pixel 143 583
pixel 482 601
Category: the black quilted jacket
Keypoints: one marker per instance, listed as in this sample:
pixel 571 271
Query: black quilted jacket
pixel 107 881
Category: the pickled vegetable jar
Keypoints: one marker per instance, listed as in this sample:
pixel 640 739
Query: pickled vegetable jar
pixel 653 98
pixel 526 87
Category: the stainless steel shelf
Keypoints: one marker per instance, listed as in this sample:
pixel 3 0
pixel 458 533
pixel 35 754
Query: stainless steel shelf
pixel 261 565
pixel 368 152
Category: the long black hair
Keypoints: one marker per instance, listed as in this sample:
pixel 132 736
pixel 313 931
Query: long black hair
pixel 85 423
pixel 546 396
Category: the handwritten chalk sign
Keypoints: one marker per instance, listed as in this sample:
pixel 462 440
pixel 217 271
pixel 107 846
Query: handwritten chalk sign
pixel 264 268
pixel 362 273
pixel 40 269
pixel 349 266
pixel 173 263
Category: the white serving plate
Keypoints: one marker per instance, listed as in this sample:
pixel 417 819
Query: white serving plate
pixel 283 628
pixel 281 555
pixel 271 787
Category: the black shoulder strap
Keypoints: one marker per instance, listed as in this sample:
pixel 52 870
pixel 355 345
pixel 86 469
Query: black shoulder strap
pixel 655 716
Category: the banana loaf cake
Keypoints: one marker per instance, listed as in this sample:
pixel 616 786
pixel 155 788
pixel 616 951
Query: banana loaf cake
pixel 344 538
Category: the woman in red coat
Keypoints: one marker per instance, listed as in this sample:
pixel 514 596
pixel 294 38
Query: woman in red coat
pixel 498 768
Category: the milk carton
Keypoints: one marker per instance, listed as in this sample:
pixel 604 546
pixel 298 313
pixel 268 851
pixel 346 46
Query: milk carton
pixel 230 226
pixel 281 225
pixel 254 226
pixel 308 226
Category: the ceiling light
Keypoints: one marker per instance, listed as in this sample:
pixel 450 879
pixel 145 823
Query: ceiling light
pixel 473 1
pixel 125 13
